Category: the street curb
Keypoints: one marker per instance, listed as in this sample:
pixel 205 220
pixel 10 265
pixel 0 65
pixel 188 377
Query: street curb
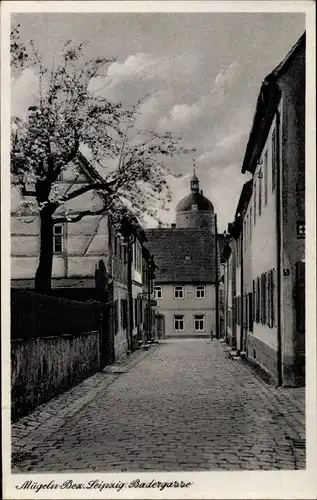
pixel 30 431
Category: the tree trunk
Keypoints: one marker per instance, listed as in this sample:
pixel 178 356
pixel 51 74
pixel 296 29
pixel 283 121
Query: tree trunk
pixel 44 271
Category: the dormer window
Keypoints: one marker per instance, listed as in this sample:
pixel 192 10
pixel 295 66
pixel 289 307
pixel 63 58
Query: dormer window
pixel 194 206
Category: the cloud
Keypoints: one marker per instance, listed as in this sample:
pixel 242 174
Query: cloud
pixel 25 91
pixel 185 112
pixel 227 75
pixel 134 66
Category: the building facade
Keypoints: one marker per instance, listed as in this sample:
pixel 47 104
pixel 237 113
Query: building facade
pixel 91 260
pixel 270 225
pixel 187 268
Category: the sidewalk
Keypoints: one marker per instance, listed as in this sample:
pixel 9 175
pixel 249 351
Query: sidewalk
pixel 30 431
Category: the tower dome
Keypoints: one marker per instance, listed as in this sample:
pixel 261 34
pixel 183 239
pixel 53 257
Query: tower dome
pixel 195 210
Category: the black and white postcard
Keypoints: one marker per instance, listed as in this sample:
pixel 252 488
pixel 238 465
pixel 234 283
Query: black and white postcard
pixel 158 250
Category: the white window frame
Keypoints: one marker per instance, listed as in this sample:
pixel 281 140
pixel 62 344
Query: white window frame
pixel 58 235
pixel 201 319
pixel 178 289
pixel 158 291
pixel 198 290
pixel 179 318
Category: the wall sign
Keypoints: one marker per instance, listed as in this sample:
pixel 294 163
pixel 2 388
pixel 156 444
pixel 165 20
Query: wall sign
pixel 300 229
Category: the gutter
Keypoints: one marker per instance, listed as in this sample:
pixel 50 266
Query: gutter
pixel 241 292
pixel 130 300
pixel 279 247
pixel 217 282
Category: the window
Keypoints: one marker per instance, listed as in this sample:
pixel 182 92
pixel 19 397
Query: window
pixel 238 252
pixel 115 317
pixel 271 299
pixel 273 160
pixel 194 206
pixel 199 323
pixel 124 313
pixel 263 299
pixel 300 296
pixel 178 323
pixel 157 292
pixel 265 178
pixel 135 312
pixel 178 292
pixel 237 302
pixel 58 234
pixel 200 292
pixel 250 311
pixel 258 300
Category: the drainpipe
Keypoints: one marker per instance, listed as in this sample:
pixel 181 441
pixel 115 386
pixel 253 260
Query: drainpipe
pixel 227 299
pixel 279 246
pixel 130 300
pixel 241 289
pixel 217 282
pixel 149 301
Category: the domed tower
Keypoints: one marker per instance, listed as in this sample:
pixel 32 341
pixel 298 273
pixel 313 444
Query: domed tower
pixel 195 210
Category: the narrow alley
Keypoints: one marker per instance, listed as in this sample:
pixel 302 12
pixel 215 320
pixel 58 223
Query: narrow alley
pixel 184 406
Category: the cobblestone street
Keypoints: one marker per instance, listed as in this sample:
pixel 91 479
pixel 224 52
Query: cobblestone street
pixel 183 406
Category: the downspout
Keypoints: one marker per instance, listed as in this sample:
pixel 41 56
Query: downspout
pixel 130 300
pixel 241 290
pixel 279 246
pixel 217 282
pixel 149 300
pixel 227 299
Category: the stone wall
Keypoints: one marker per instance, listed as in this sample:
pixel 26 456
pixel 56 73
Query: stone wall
pixel 42 368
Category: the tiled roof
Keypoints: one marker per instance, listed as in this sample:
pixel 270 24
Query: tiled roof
pixel 183 255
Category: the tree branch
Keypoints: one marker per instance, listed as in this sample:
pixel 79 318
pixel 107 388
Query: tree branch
pixel 80 216
pixel 98 186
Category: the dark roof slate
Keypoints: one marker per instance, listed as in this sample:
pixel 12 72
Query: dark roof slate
pixel 170 248
pixel 194 199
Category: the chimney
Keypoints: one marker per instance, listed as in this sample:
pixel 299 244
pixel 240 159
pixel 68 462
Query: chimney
pixel 173 226
pixel 201 192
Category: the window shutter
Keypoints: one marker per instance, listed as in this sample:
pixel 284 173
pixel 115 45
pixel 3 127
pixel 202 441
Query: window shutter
pixel 254 301
pixel 300 296
pixel 258 300
pixel 274 297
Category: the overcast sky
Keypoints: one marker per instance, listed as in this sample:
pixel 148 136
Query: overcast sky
pixel 203 73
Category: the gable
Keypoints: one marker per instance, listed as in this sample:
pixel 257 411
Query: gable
pixel 183 255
